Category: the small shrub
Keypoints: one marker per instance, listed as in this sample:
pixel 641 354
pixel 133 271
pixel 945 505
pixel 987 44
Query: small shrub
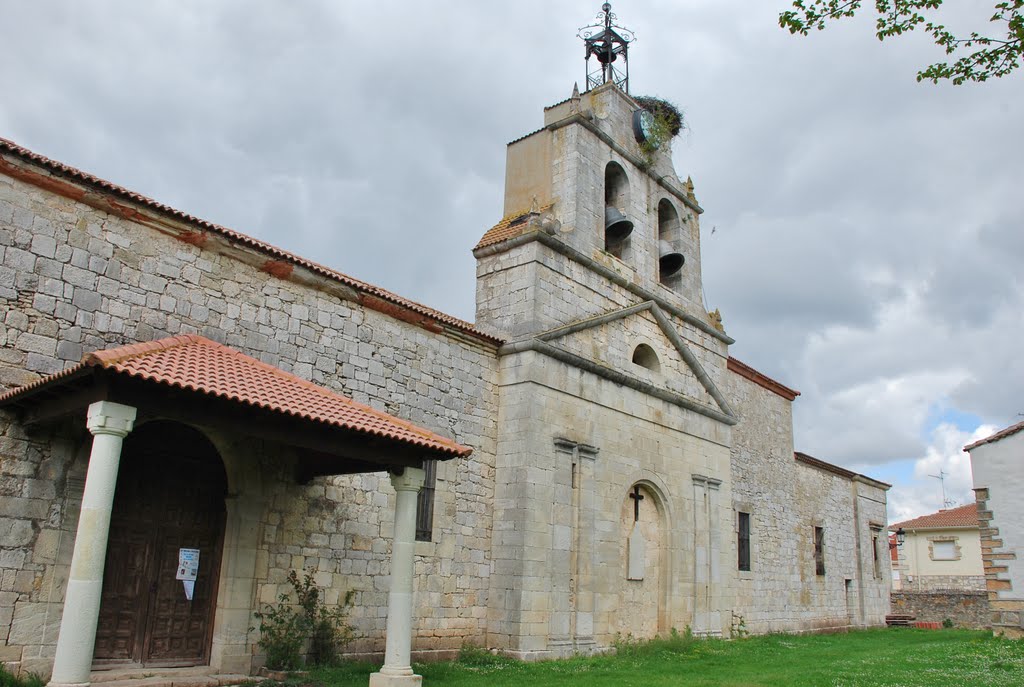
pixel 8 679
pixel 286 628
pixel 947 623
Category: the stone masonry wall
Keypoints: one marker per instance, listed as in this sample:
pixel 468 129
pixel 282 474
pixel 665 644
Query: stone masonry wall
pixel 74 279
pixel 937 583
pixel 786 500
pixel 965 609
pixel 529 290
pixel 559 547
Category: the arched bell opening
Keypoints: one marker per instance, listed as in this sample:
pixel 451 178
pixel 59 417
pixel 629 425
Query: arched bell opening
pixel 670 259
pixel 617 224
pixel 164 549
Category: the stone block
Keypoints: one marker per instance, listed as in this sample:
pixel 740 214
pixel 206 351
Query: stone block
pixel 35 623
pixel 15 533
pixel 46 546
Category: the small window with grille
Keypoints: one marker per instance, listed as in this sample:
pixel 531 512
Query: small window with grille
pixel 425 503
pixel 743 541
pixel 819 550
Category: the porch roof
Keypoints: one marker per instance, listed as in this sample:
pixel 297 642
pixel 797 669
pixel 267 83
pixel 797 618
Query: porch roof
pixel 209 371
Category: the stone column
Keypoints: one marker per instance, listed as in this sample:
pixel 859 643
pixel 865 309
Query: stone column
pixel 397 669
pixel 109 424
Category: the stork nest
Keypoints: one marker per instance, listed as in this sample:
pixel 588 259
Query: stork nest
pixel 663 111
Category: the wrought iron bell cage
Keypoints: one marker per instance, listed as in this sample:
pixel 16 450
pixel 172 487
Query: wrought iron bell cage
pixel 608 43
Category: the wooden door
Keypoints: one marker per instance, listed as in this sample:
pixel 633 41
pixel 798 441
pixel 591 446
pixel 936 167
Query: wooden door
pixel 170 496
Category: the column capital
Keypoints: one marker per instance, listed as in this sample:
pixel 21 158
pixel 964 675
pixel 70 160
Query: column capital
pixel 411 479
pixel 106 417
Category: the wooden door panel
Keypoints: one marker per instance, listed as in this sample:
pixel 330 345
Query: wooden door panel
pixel 170 495
pixel 124 594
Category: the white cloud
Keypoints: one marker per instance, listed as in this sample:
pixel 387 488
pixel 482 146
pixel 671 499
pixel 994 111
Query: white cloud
pixel 944 455
pixel 868 243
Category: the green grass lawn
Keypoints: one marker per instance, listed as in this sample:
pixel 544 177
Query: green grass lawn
pixel 889 657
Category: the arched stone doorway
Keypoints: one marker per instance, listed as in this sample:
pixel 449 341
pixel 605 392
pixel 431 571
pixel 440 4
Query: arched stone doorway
pixel 170 496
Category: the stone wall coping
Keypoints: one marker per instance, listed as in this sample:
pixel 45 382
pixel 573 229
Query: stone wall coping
pixel 761 379
pixel 70 182
pixel 836 470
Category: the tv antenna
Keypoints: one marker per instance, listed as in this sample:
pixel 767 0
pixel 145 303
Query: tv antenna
pixel 946 501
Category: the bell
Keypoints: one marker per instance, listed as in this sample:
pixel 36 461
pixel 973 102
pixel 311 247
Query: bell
pixel 669 261
pixel 616 225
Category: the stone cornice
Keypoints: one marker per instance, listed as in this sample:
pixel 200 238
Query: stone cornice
pixel 543 237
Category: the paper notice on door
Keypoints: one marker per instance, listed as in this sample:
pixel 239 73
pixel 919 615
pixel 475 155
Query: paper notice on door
pixel 188 564
pixel 190 588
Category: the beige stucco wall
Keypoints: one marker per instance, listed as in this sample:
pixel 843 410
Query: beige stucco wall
pixel 921 572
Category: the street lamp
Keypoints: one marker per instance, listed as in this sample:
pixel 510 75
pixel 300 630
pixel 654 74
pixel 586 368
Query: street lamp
pixel 901 537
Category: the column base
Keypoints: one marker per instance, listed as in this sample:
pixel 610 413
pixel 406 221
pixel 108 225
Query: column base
pixel 68 684
pixel 384 680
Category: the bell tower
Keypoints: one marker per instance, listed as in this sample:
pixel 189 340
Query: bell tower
pixel 610 381
pixel 595 214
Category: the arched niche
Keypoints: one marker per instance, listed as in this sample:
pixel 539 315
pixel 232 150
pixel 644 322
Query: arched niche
pixel 645 569
pixel 644 356
pixel 616 195
pixel 670 236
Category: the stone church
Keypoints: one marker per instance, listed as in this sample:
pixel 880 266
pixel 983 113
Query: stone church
pixel 188 413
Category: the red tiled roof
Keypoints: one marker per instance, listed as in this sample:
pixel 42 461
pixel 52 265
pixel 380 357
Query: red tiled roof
pixel 963 516
pixel 1001 434
pixel 198 364
pixel 111 188
pixel 508 228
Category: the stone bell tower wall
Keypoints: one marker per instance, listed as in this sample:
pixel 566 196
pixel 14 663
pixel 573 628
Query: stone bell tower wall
pixel 560 172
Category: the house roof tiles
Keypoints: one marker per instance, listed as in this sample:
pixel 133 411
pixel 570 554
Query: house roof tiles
pixel 1001 434
pixel 963 516
pixel 195 363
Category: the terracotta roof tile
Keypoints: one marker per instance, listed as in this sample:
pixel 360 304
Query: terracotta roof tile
pixel 1001 434
pixel 509 227
pixel 366 288
pixel 964 516
pixel 198 364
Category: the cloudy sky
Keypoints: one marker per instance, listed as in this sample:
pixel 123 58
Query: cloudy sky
pixel 867 244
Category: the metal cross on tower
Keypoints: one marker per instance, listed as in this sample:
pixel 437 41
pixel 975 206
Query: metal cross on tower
pixel 637 498
pixel 608 42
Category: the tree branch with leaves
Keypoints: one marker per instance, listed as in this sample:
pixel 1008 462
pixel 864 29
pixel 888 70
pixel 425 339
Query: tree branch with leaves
pixel 977 57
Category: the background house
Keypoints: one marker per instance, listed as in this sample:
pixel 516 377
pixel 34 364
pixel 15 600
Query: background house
pixel 942 551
